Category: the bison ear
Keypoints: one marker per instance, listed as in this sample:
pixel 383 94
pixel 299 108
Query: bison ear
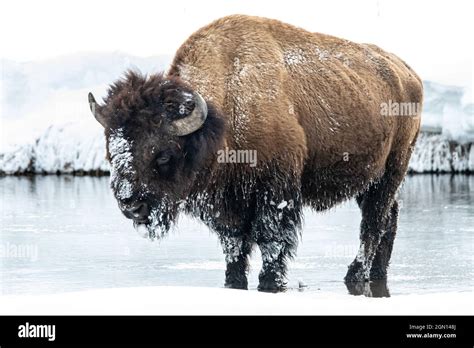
pixel 94 108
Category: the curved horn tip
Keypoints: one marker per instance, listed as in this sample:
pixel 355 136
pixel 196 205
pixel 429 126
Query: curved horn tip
pixel 91 98
pixel 93 106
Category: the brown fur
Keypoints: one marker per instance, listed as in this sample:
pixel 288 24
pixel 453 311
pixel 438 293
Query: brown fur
pixel 338 85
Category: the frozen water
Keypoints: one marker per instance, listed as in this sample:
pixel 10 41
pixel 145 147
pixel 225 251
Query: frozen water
pixel 64 233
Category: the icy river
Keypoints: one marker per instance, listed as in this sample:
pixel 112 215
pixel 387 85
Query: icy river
pixel 65 233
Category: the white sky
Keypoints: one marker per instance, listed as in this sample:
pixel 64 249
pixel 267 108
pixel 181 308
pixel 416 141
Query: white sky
pixel 435 37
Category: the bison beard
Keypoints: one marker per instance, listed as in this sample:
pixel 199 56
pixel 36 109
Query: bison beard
pixel 308 104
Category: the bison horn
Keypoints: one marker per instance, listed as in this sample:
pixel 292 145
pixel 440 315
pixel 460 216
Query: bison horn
pixel 194 121
pixel 95 112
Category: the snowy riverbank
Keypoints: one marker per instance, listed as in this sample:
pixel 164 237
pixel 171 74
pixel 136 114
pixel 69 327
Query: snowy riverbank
pixel 78 148
pixel 212 301
pixel 436 153
pixel 47 127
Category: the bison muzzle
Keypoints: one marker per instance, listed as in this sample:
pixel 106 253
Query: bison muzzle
pixel 307 104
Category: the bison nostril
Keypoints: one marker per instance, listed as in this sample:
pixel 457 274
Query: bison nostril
pixel 138 211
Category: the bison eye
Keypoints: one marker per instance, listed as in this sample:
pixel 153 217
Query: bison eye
pixel 163 159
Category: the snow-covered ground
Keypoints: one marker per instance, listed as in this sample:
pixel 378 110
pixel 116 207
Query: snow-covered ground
pixel 46 124
pixel 65 248
pixel 212 301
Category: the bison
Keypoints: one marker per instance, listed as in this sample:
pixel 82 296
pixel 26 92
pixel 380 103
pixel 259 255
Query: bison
pixel 308 104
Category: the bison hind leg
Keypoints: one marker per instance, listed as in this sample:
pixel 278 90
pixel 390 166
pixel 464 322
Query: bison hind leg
pixel 377 230
pixel 378 271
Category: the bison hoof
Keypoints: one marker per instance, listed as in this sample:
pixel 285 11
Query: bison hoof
pixel 358 288
pixel 376 288
pixel 269 284
pixel 356 273
pixel 240 286
pixel 271 288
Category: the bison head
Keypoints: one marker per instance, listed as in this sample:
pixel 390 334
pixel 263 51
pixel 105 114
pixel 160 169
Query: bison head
pixel 160 136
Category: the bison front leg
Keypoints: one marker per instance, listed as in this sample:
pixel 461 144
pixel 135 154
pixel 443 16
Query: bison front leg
pixel 236 251
pixel 276 228
pixel 275 254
